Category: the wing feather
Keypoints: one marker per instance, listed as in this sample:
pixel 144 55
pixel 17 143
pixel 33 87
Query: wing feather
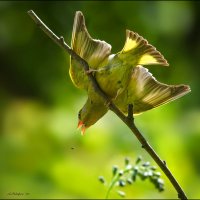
pixel 145 92
pixel 92 50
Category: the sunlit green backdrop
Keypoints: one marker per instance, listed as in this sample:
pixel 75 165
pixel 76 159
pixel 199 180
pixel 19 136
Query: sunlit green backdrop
pixel 42 154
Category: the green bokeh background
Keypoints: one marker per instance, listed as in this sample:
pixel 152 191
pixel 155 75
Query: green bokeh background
pixel 42 154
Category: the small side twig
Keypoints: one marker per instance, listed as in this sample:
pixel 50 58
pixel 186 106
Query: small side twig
pixel 130 123
pixel 130 112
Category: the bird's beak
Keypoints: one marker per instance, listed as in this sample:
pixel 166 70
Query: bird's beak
pixel 82 126
pixel 80 123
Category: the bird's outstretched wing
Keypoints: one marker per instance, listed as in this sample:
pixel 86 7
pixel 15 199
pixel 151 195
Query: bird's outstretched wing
pixel 138 50
pixel 92 50
pixel 145 92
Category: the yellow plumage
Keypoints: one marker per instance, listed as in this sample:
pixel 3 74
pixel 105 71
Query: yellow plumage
pixel 119 75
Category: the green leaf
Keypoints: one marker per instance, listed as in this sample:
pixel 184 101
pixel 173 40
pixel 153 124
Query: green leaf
pixel 114 170
pixel 101 179
pixel 138 159
pixel 127 161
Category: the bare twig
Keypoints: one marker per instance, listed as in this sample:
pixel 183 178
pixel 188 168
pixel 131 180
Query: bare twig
pixel 128 120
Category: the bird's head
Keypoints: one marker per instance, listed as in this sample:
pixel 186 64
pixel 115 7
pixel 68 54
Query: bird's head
pixel 90 114
pixel 82 122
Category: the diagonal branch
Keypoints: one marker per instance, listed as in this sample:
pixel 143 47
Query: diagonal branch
pixel 127 120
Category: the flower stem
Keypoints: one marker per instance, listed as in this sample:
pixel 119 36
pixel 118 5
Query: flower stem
pixel 111 185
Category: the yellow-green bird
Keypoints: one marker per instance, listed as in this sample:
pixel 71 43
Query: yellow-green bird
pixel 120 75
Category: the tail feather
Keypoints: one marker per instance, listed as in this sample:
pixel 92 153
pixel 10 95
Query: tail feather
pixel 140 51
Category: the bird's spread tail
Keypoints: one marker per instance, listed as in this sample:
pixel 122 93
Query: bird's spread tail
pixel 137 51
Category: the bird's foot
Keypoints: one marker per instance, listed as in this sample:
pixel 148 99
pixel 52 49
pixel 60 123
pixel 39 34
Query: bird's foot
pixel 118 93
pixel 107 103
pixel 89 71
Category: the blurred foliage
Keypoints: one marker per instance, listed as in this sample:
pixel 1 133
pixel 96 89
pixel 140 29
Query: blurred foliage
pixel 42 155
pixel 130 173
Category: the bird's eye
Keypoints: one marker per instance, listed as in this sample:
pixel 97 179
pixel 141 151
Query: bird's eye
pixel 79 114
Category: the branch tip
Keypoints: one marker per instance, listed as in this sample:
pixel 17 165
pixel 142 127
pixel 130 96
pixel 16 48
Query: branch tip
pixel 62 39
pixel 30 12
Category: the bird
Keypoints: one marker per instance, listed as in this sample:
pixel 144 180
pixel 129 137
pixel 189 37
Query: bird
pixel 98 55
pixel 144 92
pixel 121 76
